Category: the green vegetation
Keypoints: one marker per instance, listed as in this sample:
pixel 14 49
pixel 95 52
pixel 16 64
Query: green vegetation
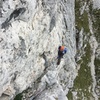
pixel 70 97
pixel 83 80
pixel 18 97
pixel 95 16
pixel 81 20
pixel 82 83
pixel 96 23
pixel 97 64
pixel 97 72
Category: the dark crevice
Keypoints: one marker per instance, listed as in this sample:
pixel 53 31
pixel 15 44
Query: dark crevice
pixel 44 55
pixel 52 23
pixel 65 23
pixel 77 39
pixel 29 50
pixel 22 48
pixel 1 2
pixel 23 2
pixel 14 76
pixel 17 12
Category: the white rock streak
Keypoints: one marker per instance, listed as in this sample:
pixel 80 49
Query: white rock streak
pixel 94 45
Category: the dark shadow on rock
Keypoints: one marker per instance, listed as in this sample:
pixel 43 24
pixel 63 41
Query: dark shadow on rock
pixel 52 23
pixel 65 23
pixel 17 12
pixel 22 48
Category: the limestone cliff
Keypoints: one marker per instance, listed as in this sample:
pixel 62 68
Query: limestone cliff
pixel 31 32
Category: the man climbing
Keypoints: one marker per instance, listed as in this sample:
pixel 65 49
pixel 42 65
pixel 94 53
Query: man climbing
pixel 61 51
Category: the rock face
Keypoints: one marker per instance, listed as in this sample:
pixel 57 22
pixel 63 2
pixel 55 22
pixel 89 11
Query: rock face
pixel 30 33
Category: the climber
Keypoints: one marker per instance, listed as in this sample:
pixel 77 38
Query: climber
pixel 61 51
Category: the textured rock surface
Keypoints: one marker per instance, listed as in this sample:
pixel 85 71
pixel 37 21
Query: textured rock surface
pixel 96 4
pixel 30 34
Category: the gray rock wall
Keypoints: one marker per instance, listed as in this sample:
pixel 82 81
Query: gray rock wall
pixel 30 33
